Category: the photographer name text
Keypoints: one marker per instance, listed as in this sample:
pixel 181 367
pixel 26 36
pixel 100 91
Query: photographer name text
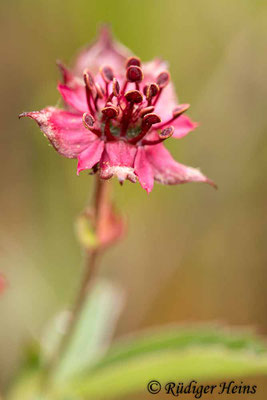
pixel 177 389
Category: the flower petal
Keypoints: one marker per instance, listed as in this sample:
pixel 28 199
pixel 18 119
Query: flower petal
pixel 67 76
pixel 182 126
pixel 168 99
pixel 74 97
pixel 144 170
pixel 105 51
pixel 166 102
pixel 118 159
pixel 63 129
pixel 168 171
pixel 153 68
pixel 90 156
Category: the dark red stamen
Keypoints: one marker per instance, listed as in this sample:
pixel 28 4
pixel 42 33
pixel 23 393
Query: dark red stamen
pixel 100 91
pixel 179 110
pixel 151 91
pixel 124 87
pixel 99 95
pixel 134 74
pixel 163 79
pixel 146 110
pixel 163 135
pixel 89 87
pixel 89 80
pixel 151 119
pixel 110 112
pixel 107 131
pixel 126 118
pixel 166 133
pixel 148 121
pixel 107 73
pixel 88 122
pixel 134 96
pixel 133 61
pixel 116 87
pixel 109 99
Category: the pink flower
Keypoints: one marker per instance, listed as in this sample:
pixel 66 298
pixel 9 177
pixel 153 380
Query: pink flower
pixel 118 112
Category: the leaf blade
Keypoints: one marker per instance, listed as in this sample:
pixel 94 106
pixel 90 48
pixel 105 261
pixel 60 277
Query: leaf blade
pixel 185 355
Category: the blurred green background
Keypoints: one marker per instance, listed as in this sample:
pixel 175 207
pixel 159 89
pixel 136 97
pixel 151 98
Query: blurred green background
pixel 191 254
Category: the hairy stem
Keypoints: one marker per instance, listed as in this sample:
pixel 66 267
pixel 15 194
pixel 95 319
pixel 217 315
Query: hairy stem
pixel 100 203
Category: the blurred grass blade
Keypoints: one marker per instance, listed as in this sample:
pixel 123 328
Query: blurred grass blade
pixel 93 333
pixel 182 355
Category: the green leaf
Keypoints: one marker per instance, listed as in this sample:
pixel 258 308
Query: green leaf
pixel 93 332
pixel 182 355
pixel 89 343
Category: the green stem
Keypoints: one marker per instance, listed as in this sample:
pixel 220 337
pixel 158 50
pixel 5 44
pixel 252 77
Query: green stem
pixel 100 202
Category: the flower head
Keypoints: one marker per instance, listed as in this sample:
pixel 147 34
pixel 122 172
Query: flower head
pixel 118 112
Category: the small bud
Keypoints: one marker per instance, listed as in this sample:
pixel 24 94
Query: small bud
pixel 146 110
pixel 151 119
pixel 134 96
pixel 167 132
pixel 134 74
pixel 180 110
pixel 88 120
pixel 163 79
pixel 133 61
pixel 116 87
pixel 107 73
pixel 110 112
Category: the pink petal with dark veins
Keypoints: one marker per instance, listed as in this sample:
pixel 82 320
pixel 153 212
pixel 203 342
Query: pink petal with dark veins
pixel 144 170
pixel 64 130
pixel 90 156
pixel 168 171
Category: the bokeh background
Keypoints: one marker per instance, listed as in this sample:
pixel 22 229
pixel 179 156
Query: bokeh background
pixel 191 254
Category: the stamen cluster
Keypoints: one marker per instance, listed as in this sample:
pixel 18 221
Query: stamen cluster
pixel 127 115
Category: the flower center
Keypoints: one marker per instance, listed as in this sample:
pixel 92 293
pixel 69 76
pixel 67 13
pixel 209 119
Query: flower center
pixel 127 114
